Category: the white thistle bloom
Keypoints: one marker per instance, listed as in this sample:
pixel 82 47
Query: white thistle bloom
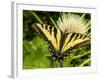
pixel 72 23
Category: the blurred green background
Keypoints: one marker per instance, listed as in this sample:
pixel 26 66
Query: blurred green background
pixel 35 49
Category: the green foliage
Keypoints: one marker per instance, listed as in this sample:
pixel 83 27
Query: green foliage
pixel 35 49
pixel 36 53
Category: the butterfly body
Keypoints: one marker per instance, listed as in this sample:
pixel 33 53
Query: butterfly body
pixel 60 43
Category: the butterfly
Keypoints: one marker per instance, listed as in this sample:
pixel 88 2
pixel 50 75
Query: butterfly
pixel 60 43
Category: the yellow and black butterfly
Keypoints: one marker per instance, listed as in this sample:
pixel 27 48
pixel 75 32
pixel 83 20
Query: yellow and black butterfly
pixel 60 43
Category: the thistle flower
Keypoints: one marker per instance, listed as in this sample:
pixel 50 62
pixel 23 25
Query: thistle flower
pixel 72 23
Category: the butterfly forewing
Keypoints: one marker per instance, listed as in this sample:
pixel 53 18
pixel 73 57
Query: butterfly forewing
pixel 73 39
pixel 49 33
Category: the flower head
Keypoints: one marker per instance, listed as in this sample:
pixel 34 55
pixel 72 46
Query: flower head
pixel 72 23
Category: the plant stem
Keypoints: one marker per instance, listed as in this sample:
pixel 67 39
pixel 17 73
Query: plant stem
pixel 53 22
pixel 82 16
pixel 84 62
pixel 81 55
pixel 87 25
pixel 36 16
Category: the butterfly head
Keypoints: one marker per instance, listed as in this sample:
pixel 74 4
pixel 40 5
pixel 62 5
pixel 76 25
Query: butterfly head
pixel 58 56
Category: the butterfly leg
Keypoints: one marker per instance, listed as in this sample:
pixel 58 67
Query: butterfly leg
pixel 61 65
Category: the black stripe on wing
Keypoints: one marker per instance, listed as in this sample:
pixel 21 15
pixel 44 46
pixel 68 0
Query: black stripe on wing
pixel 87 42
pixel 73 39
pixel 62 40
pixel 49 33
pixel 38 30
